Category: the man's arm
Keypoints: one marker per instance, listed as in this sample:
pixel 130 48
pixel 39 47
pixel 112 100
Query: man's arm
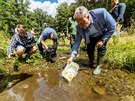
pixel 76 44
pixel 75 47
pixel 33 38
pixel 32 42
pixel 110 25
pixel 121 10
pixel 55 43
pixel 11 47
pixel 43 43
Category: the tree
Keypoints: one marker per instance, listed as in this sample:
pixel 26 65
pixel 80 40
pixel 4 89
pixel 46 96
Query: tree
pixel 12 12
pixel 61 17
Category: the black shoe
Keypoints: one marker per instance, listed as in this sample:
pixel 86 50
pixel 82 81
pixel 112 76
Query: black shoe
pixel 87 64
pixel 27 57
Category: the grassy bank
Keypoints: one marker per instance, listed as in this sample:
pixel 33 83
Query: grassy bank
pixel 119 55
pixel 4 41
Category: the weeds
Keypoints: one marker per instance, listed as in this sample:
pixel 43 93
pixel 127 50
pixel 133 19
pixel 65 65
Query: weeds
pixel 120 55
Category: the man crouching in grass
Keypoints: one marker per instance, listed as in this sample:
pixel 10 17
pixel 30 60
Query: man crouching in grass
pixel 22 43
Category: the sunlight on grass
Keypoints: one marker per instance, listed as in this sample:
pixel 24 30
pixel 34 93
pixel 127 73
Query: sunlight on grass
pixel 62 46
pixel 121 54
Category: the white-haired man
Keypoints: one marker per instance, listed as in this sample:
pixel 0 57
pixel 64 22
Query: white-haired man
pixel 96 27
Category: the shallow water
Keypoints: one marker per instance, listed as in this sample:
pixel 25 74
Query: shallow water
pixel 32 83
pixel 50 86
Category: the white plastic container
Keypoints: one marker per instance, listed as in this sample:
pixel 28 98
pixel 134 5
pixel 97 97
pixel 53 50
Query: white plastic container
pixel 70 71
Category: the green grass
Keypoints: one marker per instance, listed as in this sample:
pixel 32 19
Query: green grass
pixel 119 55
pixel 4 41
pixel 122 54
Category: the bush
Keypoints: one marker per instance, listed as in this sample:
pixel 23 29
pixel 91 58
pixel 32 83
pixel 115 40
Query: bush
pixel 130 61
pixel 122 54
pixel 4 43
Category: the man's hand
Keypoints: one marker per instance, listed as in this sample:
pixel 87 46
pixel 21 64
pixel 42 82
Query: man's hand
pixel 31 45
pixel 99 44
pixel 69 60
pixel 46 47
pixel 11 56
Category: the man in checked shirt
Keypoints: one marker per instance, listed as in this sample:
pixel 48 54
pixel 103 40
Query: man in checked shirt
pixel 22 42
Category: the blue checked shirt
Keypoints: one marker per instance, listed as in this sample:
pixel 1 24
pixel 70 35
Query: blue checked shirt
pixel 16 40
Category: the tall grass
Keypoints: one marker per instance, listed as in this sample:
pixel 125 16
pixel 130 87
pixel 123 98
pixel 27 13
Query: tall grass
pixel 122 53
pixel 4 41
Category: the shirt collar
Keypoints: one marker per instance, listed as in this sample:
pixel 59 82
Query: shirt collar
pixel 91 21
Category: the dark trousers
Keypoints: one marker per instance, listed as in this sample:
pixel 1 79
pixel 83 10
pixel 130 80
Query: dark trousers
pixel 72 39
pixel 40 47
pixel 91 48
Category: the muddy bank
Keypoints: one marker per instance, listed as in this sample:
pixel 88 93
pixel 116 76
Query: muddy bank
pixel 43 82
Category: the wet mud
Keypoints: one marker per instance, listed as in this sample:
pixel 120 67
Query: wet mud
pixel 43 82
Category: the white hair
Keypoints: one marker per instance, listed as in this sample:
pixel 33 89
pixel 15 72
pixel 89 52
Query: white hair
pixel 81 12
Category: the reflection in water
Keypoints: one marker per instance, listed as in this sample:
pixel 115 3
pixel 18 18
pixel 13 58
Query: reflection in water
pixel 17 97
pixel 7 81
pixel 52 78
pixel 51 87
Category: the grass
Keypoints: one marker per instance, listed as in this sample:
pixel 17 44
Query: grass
pixel 119 55
pixel 4 41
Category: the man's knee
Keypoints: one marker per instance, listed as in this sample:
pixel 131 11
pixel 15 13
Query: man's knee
pixel 102 51
pixel 20 50
pixel 34 49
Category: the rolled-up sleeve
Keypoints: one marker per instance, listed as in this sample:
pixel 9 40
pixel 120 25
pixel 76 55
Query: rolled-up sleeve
pixel 11 46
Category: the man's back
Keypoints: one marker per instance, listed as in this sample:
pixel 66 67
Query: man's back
pixel 46 32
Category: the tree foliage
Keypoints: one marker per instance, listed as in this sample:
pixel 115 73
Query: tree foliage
pixel 61 17
pixel 130 7
pixel 13 12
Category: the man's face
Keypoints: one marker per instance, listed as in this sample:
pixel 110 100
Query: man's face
pixel 84 22
pixel 22 31
pixel 114 2
pixel 53 36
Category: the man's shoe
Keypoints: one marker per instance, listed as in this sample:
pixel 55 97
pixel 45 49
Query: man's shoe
pixel 97 70
pixel 87 64
pixel 24 55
